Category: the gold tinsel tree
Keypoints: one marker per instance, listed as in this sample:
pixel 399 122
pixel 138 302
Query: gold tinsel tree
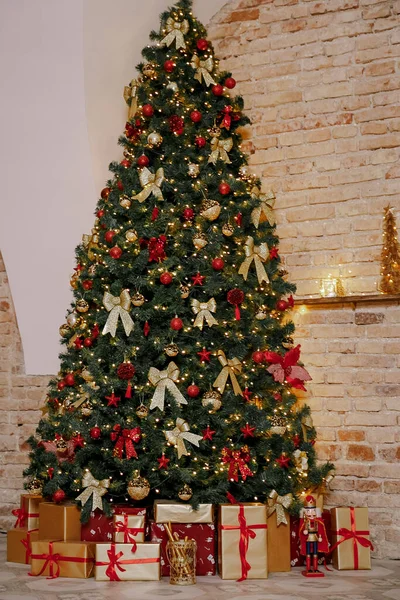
pixel 390 256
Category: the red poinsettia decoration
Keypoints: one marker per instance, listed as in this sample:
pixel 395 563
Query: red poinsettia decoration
pixel 63 449
pixel 285 368
pixel 237 460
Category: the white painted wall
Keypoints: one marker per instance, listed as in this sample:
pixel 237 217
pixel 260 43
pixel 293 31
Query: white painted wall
pixel 63 66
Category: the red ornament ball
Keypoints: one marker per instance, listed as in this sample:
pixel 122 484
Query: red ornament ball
pixel 218 264
pixel 120 186
pixel 176 324
pixel 100 213
pixel 202 44
pixel 224 188
pixel 169 66
pixel 87 342
pixel 143 161
pixel 188 214
pixel 166 278
pixel 235 296
pixel 87 284
pixel 230 83
pixel 125 163
pixel 258 357
pixel 69 379
pixel 193 391
pixel 200 142
pixel 61 385
pixel 58 496
pixel 115 252
pixel 126 371
pixel 281 305
pixel 108 236
pixel 105 193
pixel 195 116
pixel 217 89
pixel 95 433
pixel 148 110
pixel 129 130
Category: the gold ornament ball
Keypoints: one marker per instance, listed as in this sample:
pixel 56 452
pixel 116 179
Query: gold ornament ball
pixel 74 281
pixel 87 409
pixel 212 401
pixel 210 209
pixel 193 170
pixel 185 493
pixel 64 330
pixel 215 131
pixel 149 70
pixel 142 411
pixel 73 319
pixel 131 235
pixel 278 425
pixel 82 306
pixel 137 299
pixel 34 487
pixel 244 172
pixel 261 314
pixel 185 291
pixel 138 488
pixel 171 350
pixel 200 241
pixel 154 139
pixel 61 446
pixel 227 229
pixel 125 202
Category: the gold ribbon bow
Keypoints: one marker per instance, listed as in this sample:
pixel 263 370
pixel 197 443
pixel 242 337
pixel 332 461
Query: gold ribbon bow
pixel 130 98
pixel 90 242
pixel 257 253
pixel 203 311
pixel 278 504
pixel 117 306
pixel 165 380
pixel 203 69
pixel 151 184
pixel 306 423
pixel 230 368
pixel 220 149
pixel 176 30
pixel 180 433
pixel 84 397
pixel 93 487
pixel 265 210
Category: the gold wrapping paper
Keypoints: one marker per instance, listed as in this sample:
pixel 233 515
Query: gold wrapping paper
pixel 351 553
pixel 28 513
pixel 278 545
pixel 63 559
pixel 117 562
pixel 19 544
pixel 167 511
pixel 229 558
pixel 129 529
pixel 59 521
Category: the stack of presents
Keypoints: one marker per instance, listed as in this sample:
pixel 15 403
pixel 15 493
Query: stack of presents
pixel 248 540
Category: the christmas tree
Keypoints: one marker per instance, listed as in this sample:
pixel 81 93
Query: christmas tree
pixel 390 255
pixel 179 373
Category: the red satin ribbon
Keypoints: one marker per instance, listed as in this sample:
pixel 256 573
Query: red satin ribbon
pixel 27 543
pixel 52 560
pixel 129 532
pixel 115 563
pixel 246 532
pixel 358 537
pixel 21 515
pixel 125 439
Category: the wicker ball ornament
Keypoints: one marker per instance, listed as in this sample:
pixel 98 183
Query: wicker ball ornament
pixel 185 493
pixel 142 411
pixel 185 291
pixel 61 446
pixel 138 299
pixel 34 487
pixel 171 350
pixel 210 209
pixel 138 487
pixel 227 230
pixel 212 401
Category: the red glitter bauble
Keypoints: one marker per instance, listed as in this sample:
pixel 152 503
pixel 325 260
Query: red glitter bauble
pixel 143 161
pixel 115 252
pixel 200 142
pixel 188 214
pixel 120 186
pixel 87 284
pixel 148 110
pixel 230 83
pixel 258 357
pixel 193 391
pixel 100 213
pixel 176 124
pixel 176 324
pixel 95 433
pixel 166 278
pixel 105 193
pixel 87 342
pixel 202 44
pixel 217 89
pixel 125 163
pixel 281 305
pixel 108 236
pixel 126 370
pixel 224 188
pixel 69 379
pixel 235 296
pixel 169 66
pixel 58 496
pixel 195 116
pixel 61 385
pixel 218 264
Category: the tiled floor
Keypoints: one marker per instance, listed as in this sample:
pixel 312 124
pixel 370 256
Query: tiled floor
pixel 381 583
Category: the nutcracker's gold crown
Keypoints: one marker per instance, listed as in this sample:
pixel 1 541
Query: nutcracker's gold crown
pixel 310 502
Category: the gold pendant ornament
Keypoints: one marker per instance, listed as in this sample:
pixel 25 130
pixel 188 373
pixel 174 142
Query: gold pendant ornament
pixel 203 311
pixel 180 434
pixel 203 69
pixel 185 493
pixel 171 350
pixel 230 368
pixel 278 504
pixel 149 70
pixel 227 229
pixel 165 380
pixel 257 253
pixel 95 489
pixel 82 306
pixel 185 291
pixel 34 487
pixel 200 240
pixel 117 306
pixel 210 209
pixel 138 299
pixel 212 401
pixel 142 411
pixel 175 32
pixel 138 487
pixel 151 184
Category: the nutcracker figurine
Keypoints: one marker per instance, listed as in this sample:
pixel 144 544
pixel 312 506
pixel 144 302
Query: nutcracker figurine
pixel 313 538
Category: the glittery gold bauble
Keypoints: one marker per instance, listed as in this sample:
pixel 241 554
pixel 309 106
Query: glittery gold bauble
pixel 275 314
pixel 64 330
pixel 138 487
pixel 212 401
pixel 261 314
pixel 82 306
pixel 87 409
pixel 61 446
pixel 149 70
pixel 73 320
pixel 185 291
pixel 125 202
pixel 200 240
pixel 34 487
pixel 171 350
pixel 137 299
pixel 227 229
pixel 279 425
pixel 193 169
pixel 244 172
pixel 131 235
pixel 214 131
pixel 289 343
pixel 185 493
pixel 142 411
pixel 210 209
pixel 74 281
pixel 154 139
pixel 129 154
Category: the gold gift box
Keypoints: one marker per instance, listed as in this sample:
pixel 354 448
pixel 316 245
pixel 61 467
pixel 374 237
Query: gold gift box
pixel 141 565
pixel 350 553
pixel 19 544
pixel 167 511
pixel 59 521
pixel 122 526
pixel 75 559
pixel 28 513
pixel 229 560
pixel 278 551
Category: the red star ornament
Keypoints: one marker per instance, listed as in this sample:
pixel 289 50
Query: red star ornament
pixel 163 462
pixel 204 355
pixel 283 461
pixel 273 252
pixel 247 394
pixel 113 400
pixel 78 440
pixel 198 279
pixel 208 433
pixel 247 431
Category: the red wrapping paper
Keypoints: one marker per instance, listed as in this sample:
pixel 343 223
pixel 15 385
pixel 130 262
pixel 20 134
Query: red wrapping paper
pixel 202 533
pixel 100 528
pixel 296 559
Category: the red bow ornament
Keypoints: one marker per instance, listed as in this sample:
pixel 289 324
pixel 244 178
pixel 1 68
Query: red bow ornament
pixel 237 460
pixel 227 116
pixel 125 438
pixel 285 368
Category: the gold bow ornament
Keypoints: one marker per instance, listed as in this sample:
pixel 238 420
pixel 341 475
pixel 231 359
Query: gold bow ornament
pixel 306 424
pixel 278 504
pixel 179 434
pixel 165 380
pixel 300 460
pixel 94 488
pixel 230 368
pixel 257 253
pixel 203 69
pixel 175 31
pixel 117 306
pixel 83 398
pixel 130 98
pixel 151 184
pixel 90 242
pixel 265 210
pixel 220 149
pixel 203 311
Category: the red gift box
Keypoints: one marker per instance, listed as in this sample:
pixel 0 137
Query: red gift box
pixel 100 528
pixel 296 559
pixel 202 533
